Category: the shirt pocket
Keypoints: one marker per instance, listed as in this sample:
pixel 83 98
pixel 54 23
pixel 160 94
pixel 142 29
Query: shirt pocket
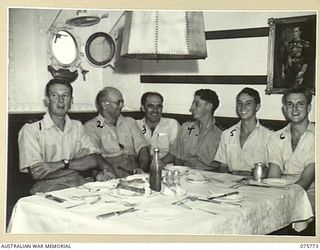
pixel 109 144
pixel 162 142
pixel 257 154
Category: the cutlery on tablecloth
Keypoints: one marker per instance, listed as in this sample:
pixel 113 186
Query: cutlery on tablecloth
pixel 194 198
pixel 266 186
pixel 241 179
pixel 83 197
pixel 214 179
pixel 117 213
pixel 83 203
pixel 197 208
pixel 179 201
pixel 51 197
pixel 223 195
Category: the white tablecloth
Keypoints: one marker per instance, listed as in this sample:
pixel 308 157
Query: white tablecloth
pixel 263 211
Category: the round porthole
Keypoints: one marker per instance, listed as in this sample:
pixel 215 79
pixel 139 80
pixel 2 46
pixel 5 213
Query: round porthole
pixel 64 48
pixel 100 49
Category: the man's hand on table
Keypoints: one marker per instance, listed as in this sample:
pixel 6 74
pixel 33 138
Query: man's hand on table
pixel 138 171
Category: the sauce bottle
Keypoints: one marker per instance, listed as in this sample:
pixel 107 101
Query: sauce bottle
pixel 156 171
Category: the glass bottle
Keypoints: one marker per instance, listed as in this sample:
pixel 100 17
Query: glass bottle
pixel 155 171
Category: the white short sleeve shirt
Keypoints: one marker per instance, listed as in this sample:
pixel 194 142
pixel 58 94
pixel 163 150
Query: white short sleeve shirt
pixel 163 136
pixel 254 149
pixel 43 141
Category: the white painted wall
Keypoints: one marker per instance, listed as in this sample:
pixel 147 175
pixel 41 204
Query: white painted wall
pixel 248 56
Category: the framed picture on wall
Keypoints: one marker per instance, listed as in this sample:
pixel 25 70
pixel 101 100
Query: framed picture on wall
pixel 291 53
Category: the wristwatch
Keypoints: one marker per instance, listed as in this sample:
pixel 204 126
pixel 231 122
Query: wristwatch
pixel 66 164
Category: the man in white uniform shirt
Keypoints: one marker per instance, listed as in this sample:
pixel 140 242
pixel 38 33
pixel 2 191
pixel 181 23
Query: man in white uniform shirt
pixel 292 149
pixel 160 132
pixel 53 150
pixel 245 143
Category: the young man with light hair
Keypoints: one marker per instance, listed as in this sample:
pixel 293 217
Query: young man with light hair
pixel 291 150
pixel 55 149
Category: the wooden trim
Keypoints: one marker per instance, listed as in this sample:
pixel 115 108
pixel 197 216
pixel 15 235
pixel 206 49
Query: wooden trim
pixel 237 33
pixel 205 79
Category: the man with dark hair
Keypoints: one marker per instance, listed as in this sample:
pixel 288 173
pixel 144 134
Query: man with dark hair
pixel 245 143
pixel 53 150
pixel 119 138
pixel 198 141
pixel 160 132
pixel 291 150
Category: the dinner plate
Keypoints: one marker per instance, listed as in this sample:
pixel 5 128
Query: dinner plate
pixel 277 182
pixel 159 214
pixel 172 193
pixel 181 169
pixel 137 176
pixel 232 198
pixel 196 178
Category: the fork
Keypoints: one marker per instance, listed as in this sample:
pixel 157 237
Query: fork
pixel 83 203
pixel 194 198
pixel 82 197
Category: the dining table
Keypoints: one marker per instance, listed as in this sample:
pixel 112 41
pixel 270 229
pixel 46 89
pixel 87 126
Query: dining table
pixel 199 203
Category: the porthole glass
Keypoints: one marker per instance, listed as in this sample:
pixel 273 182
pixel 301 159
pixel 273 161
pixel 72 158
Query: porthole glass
pixel 100 49
pixel 64 47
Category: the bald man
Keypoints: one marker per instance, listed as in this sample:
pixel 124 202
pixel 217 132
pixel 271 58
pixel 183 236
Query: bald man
pixel 119 138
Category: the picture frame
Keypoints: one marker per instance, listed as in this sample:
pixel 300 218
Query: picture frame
pixel 291 53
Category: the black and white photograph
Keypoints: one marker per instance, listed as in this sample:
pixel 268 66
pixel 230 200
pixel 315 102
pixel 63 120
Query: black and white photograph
pixel 292 53
pixel 161 122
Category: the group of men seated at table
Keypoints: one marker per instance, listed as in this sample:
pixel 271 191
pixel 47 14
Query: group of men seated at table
pixel 56 149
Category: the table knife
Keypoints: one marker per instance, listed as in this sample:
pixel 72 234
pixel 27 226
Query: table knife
pixel 265 186
pixel 218 202
pixel 51 197
pixel 107 215
pixel 257 185
pixel 223 195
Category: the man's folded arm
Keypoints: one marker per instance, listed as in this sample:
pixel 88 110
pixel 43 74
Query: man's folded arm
pixel 43 170
pixel 307 176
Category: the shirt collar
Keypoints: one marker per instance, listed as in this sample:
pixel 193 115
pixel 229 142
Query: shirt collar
pixel 145 123
pixel 310 128
pixel 258 125
pixel 211 125
pixel 48 122
pixel 103 120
